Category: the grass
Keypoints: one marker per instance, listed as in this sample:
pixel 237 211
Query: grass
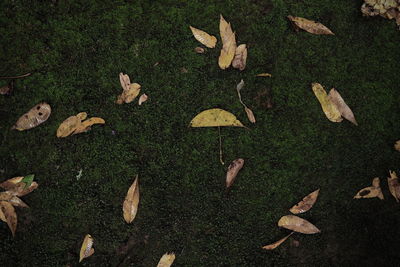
pixel 75 50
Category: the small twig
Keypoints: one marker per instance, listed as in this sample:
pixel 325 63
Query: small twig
pixel 15 77
pixel 220 146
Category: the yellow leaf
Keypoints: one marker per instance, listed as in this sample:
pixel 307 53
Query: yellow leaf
pixel 306 204
pixel 394 185
pixel 233 170
pixel 68 126
pixel 131 202
pixel 86 248
pixel 215 117
pixel 371 191
pixel 297 224
pixel 10 215
pixel 277 243
pixel 239 61
pixel 330 109
pixel 34 117
pixel 264 75
pixel 343 108
pixel 85 125
pixel 166 260
pixel 310 25
pixel 228 44
pixel 203 37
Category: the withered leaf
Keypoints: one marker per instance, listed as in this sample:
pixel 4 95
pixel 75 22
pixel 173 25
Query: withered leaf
pixel 306 204
pixel 131 202
pixel 166 260
pixel 199 50
pixel 129 91
pixel 297 224
pixel 228 44
pixel 394 185
pixel 249 112
pixel 85 125
pixel 16 187
pixel 328 107
pixel 371 191
pixel 86 248
pixel 277 243
pixel 34 117
pixel 250 115
pixel 17 202
pixel 233 170
pixel 75 125
pixel 310 25
pixel 10 183
pixel 239 61
pixel 203 37
pixel 343 108
pixel 142 98
pixel 10 215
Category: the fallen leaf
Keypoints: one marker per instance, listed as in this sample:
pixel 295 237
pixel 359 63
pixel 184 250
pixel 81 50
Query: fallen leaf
pixel 371 191
pixel 310 25
pixel 277 243
pixel 74 124
pixel 203 37
pixel 3 217
pixel 129 90
pixel 389 9
pixel 17 202
pixel 394 185
pixel 199 50
pixel 17 187
pixel 306 204
pixel 86 248
pixel 34 117
pixel 344 110
pixel 397 145
pixel 233 170
pixel 166 260
pixel 10 215
pixel 10 183
pixel 329 108
pixel 249 112
pixel 250 115
pixel 228 44
pixel 5 196
pixel 142 98
pixel 6 89
pixel 131 202
pixel 264 75
pixel 28 180
pixel 297 224
pixel 215 117
pixel 239 61
pixel 85 125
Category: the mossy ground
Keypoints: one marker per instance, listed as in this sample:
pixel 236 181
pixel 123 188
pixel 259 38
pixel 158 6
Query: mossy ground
pixel 75 50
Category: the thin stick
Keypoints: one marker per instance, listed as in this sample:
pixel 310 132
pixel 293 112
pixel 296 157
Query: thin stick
pixel 220 146
pixel 15 77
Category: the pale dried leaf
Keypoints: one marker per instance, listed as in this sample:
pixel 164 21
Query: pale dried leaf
pixel 5 196
pixel 297 224
pixel 130 90
pixel 21 190
pixel 199 50
pixel 310 25
pixel 86 125
pixel 394 185
pixel 10 183
pixel 228 44
pixel 343 108
pixel 142 98
pixel 166 260
pixel 371 191
pixel 34 117
pixel 306 204
pixel 239 61
pixel 330 109
pixel 203 37
pixel 10 215
pixel 17 202
pixel 250 115
pixel 277 243
pixel 233 170
pixel 86 248
pixel 125 81
pixel 131 202
pixel 215 117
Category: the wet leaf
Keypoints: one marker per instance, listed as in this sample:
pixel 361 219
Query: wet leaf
pixel 394 185
pixel 129 90
pixel 306 204
pixel 9 215
pixel 344 110
pixel 264 75
pixel 329 108
pixel 215 117
pixel 86 248
pixel 199 50
pixel 131 202
pixel 297 224
pixel 203 37
pixel 397 145
pixel 166 260
pixel 228 44
pixel 142 98
pixel 233 170
pixel 310 25
pixel 239 61
pixel 277 243
pixel 371 191
pixel 249 112
pixel 34 117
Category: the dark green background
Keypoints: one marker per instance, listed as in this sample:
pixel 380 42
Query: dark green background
pixel 75 50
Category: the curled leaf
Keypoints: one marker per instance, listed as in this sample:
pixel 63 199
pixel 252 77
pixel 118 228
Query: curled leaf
pixel 34 117
pixel 203 37
pixel 310 25
pixel 297 224
pixel 344 110
pixel 166 260
pixel 228 44
pixel 131 202
pixel 277 243
pixel 9 215
pixel 86 248
pixel 306 204
pixel 239 61
pixel 142 98
pixel 328 107
pixel 129 92
pixel 215 117
pixel 371 191
pixel 394 185
pixel 233 170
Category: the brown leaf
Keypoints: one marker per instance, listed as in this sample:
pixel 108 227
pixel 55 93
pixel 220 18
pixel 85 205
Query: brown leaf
pixel 250 115
pixel 297 224
pixel 310 25
pixel 371 191
pixel 233 170
pixel 397 145
pixel 228 44
pixel 10 183
pixel 344 110
pixel 203 37
pixel 239 61
pixel 394 185
pixel 131 202
pixel 277 243
pixel 199 50
pixel 5 196
pixel 10 215
pixel 20 189
pixel 86 248
pixel 34 117
pixel 306 204
pixel 17 202
pixel 142 98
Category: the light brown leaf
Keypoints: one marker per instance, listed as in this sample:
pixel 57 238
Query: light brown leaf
pixel 329 108
pixel 166 260
pixel 310 25
pixel 249 112
pixel 10 183
pixel 297 224
pixel 2 216
pixel 129 90
pixel 203 37
pixel 250 115
pixel 17 202
pixel 343 108
pixel 228 44
pixel 199 50
pixel 86 248
pixel 125 81
pixel 306 204
pixel 277 243
pixel 21 190
pixel 10 215
pixel 68 126
pixel 371 191
pixel 239 61
pixel 34 117
pixel 394 185
pixel 85 125
pixel 5 196
pixel 397 145
pixel 142 98
pixel 131 202
pixel 233 170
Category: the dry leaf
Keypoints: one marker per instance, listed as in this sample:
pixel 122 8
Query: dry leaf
pixel 233 170
pixel 203 37
pixel 397 145
pixel 10 215
pixel 344 110
pixel 329 108
pixel 17 202
pixel 16 187
pixel 86 248
pixel 249 112
pixel 389 9
pixel 131 202
pixel 297 224
pixel 228 44
pixel 250 115
pixel 306 204
pixel 239 61
pixel 310 25
pixel 264 75
pixel 166 260
pixel 34 117
pixel 130 91
pixel 394 185
pixel 199 50
pixel 142 98
pixel 74 124
pixel 371 191
pixel 215 117
pixel 2 216
pixel 6 90
pixel 85 125
pixel 277 243
pixel 10 183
